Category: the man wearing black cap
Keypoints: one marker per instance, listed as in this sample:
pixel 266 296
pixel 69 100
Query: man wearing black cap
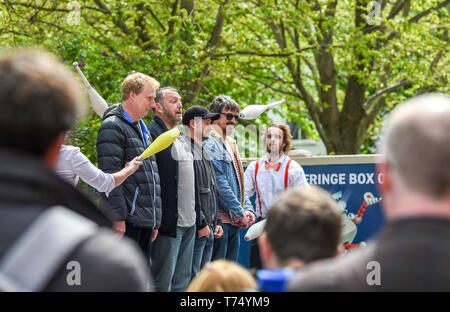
pixel 198 120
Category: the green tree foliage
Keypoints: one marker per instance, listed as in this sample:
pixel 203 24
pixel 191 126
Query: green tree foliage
pixel 345 62
pixel 340 65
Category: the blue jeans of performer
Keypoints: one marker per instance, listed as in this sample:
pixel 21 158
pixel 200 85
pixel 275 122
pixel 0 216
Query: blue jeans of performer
pixel 172 260
pixel 202 252
pixel 227 247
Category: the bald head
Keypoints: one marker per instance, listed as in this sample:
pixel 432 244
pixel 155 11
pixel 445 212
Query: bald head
pixel 416 144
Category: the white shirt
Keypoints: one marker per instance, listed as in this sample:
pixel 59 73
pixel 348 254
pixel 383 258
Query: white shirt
pixel 72 165
pixel 271 182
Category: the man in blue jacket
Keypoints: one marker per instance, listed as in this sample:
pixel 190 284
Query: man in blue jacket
pixel 235 209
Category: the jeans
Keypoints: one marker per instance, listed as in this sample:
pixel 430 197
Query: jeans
pixel 202 253
pixel 229 194
pixel 227 247
pixel 172 260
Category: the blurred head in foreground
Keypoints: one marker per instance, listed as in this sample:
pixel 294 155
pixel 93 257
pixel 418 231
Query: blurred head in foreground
pixel 222 276
pixel 416 157
pixel 39 100
pixel 303 226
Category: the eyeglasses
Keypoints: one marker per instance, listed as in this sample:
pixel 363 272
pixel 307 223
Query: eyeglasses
pixel 230 116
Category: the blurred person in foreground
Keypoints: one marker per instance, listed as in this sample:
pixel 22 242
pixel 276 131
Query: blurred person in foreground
pixel 222 276
pixel 412 252
pixel 303 226
pixel 40 101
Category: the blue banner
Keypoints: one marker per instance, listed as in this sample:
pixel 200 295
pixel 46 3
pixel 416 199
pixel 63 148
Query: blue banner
pixel 353 186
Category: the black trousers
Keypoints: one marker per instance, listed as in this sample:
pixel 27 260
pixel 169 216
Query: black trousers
pixel 255 258
pixel 143 237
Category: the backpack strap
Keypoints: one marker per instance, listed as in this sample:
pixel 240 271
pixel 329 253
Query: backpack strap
pixel 257 191
pixel 286 174
pixel 34 258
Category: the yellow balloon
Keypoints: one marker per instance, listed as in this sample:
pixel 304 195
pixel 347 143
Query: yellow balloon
pixel 161 142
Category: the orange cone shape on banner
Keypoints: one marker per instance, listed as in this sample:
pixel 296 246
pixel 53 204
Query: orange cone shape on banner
pixel 161 142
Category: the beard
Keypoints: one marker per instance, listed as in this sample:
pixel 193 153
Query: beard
pixel 228 129
pixel 171 117
pixel 274 150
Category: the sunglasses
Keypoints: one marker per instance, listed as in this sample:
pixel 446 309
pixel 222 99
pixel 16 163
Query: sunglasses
pixel 231 116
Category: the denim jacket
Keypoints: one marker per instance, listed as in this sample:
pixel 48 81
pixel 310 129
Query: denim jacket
pixel 227 180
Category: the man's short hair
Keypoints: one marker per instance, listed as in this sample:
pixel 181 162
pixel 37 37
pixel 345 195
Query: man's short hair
pixel 416 144
pixel 223 102
pixel 39 100
pixel 135 82
pixel 303 224
pixel 160 94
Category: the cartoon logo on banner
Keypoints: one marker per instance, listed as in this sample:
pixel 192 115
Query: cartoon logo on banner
pixel 350 220
pixel 353 186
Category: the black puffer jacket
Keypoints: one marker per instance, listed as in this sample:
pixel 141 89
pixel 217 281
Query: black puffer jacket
pixel 138 199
